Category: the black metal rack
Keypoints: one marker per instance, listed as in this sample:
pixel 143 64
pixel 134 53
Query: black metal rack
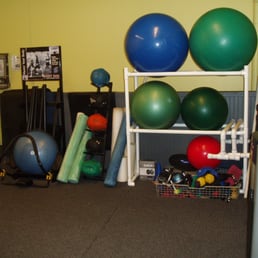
pixel 43 109
pixel 101 102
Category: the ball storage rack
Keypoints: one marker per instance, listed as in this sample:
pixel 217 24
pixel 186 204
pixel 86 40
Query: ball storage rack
pixel 226 193
pixel 234 133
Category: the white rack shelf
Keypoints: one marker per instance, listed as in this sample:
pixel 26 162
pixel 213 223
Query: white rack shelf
pixel 235 130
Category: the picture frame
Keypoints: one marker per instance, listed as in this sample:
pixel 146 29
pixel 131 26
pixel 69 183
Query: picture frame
pixel 4 71
pixel 41 63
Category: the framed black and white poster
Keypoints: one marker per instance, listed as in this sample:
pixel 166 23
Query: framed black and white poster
pixel 4 72
pixel 41 63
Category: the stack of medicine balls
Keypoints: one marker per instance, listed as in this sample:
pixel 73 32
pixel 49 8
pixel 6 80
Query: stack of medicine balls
pixel 97 123
pixel 157 42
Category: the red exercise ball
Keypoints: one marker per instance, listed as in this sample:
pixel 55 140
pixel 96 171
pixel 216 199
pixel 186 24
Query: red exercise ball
pixel 97 122
pixel 198 149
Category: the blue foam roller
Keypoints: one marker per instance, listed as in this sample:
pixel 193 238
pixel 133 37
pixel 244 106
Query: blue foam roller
pixel 117 155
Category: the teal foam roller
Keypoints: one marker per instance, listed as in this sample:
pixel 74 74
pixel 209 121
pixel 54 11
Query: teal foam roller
pixel 74 175
pixel 69 156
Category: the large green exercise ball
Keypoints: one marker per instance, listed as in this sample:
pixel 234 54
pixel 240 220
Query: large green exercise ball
pixel 155 105
pixel 223 39
pixel 204 108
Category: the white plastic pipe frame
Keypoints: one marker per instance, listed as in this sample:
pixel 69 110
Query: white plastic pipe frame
pixel 236 131
pixel 232 130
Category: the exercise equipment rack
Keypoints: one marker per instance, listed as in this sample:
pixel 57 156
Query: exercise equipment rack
pixel 234 133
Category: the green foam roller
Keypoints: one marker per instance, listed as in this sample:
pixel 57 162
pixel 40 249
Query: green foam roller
pixel 71 150
pixel 74 175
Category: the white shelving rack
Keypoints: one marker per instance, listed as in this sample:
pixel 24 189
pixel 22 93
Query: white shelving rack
pixel 234 133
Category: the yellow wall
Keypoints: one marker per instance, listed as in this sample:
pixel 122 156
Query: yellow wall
pixel 91 34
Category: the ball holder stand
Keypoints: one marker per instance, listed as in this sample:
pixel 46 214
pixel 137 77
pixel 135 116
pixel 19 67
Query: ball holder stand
pixel 231 129
pixel 94 159
pixel 233 133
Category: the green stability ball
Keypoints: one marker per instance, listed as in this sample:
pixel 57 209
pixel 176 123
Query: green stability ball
pixel 155 105
pixel 223 39
pixel 204 108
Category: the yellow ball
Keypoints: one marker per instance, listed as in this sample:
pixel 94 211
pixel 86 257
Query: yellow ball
pixel 209 178
pixel 200 181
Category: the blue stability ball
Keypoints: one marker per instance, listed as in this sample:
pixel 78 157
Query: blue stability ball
pixel 204 108
pixel 100 77
pixel 223 39
pixel 156 43
pixel 155 105
pixel 24 155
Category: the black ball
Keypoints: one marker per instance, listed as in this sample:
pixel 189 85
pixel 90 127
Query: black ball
pixel 95 145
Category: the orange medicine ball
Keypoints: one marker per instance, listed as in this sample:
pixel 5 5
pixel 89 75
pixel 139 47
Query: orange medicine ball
pixel 97 122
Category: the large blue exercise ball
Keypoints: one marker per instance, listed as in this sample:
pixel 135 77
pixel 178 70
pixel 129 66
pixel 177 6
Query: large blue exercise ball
pixel 204 108
pixel 223 39
pixel 155 105
pixel 25 157
pixel 156 43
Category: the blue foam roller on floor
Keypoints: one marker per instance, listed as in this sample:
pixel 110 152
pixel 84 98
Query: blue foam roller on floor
pixel 117 155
